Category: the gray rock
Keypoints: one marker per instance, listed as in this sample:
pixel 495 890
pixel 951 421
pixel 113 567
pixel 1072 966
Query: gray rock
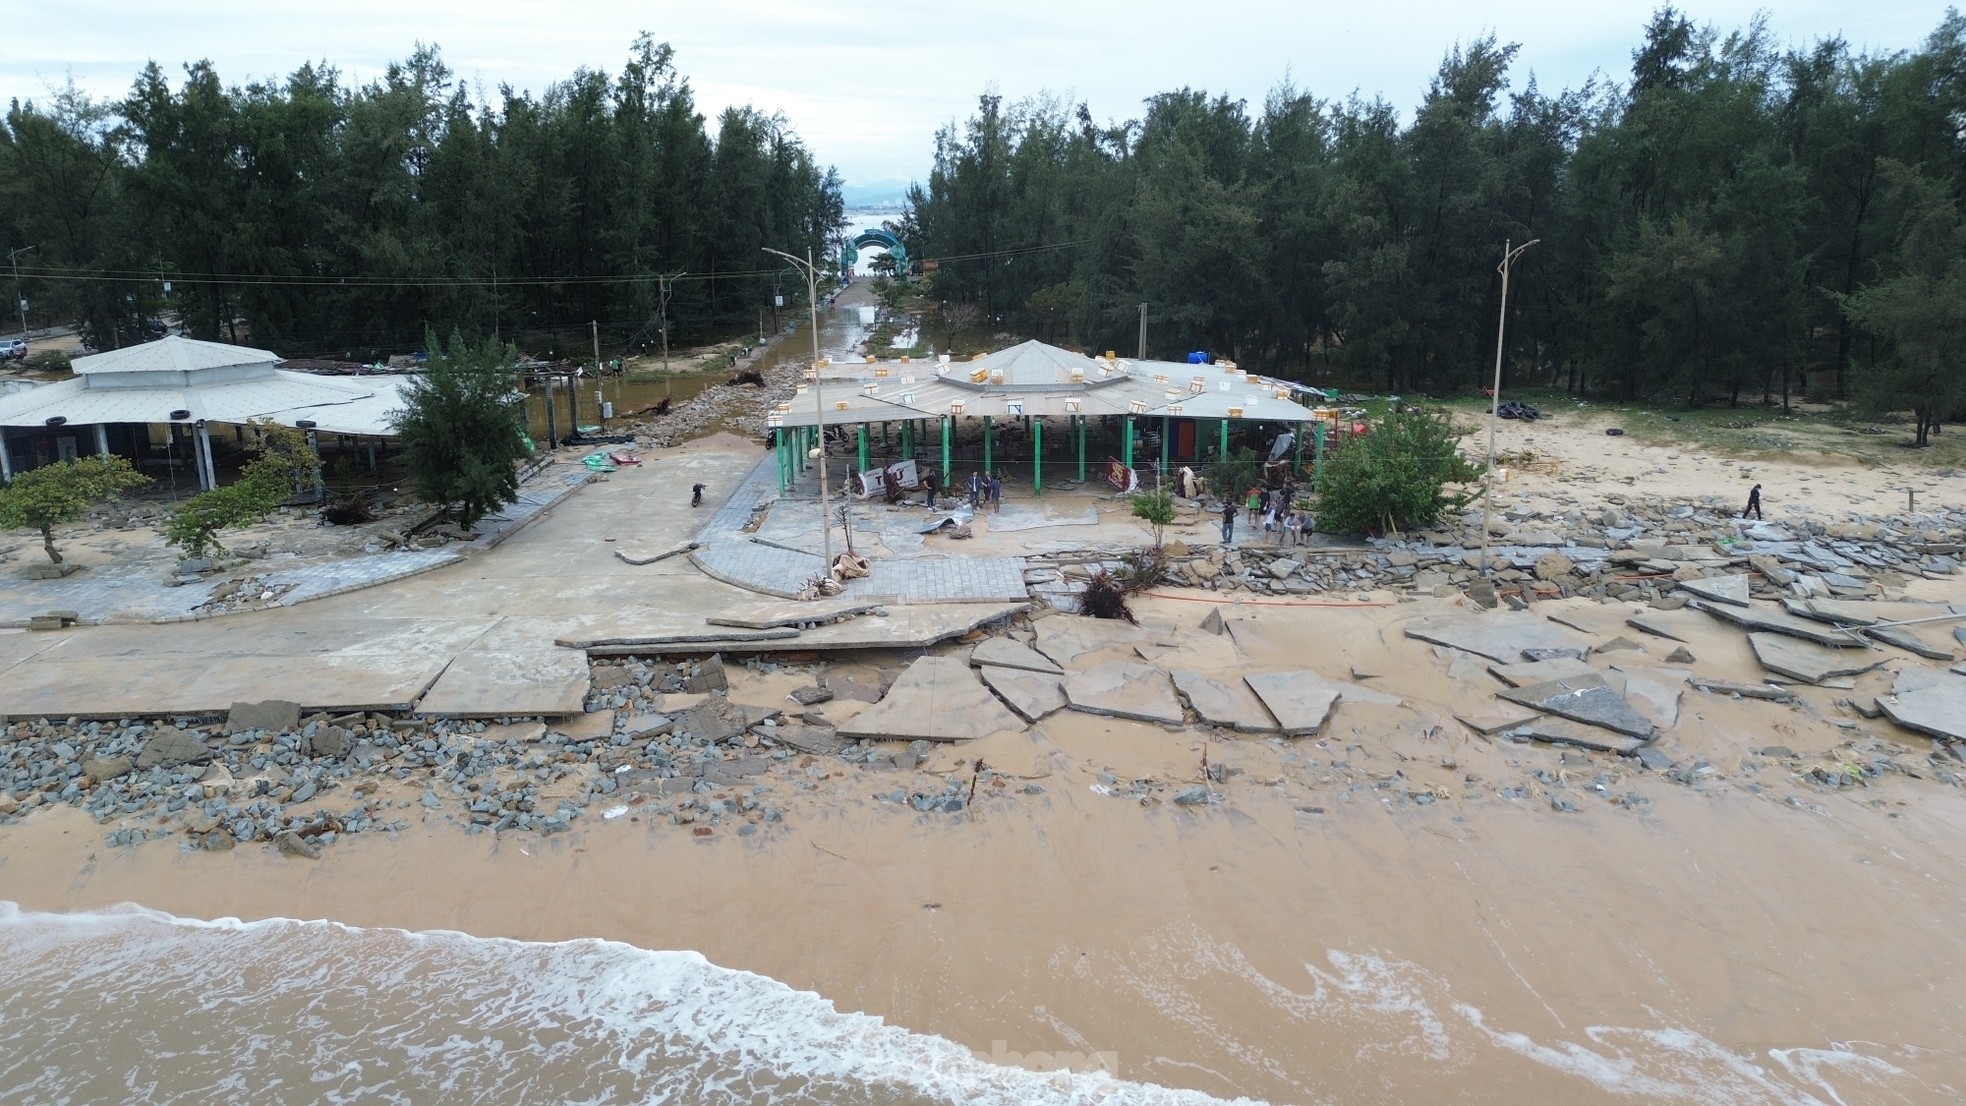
pixel 1194 796
pixel 1807 661
pixel 708 676
pixel 109 768
pixel 293 844
pixel 1720 589
pixel 1586 699
pixel 170 748
pixel 274 715
pixel 330 741
pixel 807 696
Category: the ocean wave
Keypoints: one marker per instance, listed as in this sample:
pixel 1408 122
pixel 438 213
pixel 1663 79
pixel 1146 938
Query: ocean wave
pixel 132 1003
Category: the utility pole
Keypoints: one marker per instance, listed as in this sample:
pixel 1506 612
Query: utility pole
pixel 818 403
pixel 1143 332
pixel 1495 396
pixel 662 303
pixel 13 258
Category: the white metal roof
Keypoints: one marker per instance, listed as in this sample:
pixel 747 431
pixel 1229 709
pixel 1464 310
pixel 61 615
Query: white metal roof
pixel 173 354
pixel 342 405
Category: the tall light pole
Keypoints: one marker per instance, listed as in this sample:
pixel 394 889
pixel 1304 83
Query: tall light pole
pixel 1495 396
pixel 818 404
pixel 1143 332
pixel 13 258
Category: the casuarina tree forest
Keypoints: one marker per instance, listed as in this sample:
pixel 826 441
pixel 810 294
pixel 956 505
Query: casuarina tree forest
pixel 1729 218
pixel 321 218
pixel 1708 223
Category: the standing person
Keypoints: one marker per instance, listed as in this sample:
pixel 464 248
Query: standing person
pixel 1291 526
pixel 1228 521
pixel 996 494
pixel 975 489
pixel 1754 502
pixel 696 495
pixel 931 483
pixel 1270 521
pixel 1255 504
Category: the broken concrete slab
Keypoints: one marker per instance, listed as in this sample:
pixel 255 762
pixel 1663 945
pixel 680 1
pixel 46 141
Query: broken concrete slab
pixel 934 699
pixel 1300 701
pixel 1654 693
pixel 1066 637
pixel 1807 661
pixel 655 725
pixel 1586 698
pixel 792 615
pixel 663 555
pixel 1228 703
pixel 171 748
pixel 1493 718
pixel 1732 590
pixel 1499 636
pixel 1776 620
pixel 1937 708
pixel 1360 695
pixel 1671 625
pixel 1529 673
pixel 1031 694
pixel 1860 612
pixel 276 715
pixel 674 642
pixel 807 738
pixel 1123 689
pixel 1746 691
pixel 1561 731
pixel 1910 640
pixel 1001 652
pixel 586 727
pixel 506 677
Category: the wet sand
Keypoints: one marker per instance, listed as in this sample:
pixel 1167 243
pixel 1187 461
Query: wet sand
pixel 1320 934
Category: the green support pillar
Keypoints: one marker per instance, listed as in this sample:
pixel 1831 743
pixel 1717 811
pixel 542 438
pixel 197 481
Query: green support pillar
pixel 1126 455
pixel 908 439
pixel 1037 456
pixel 1165 426
pixel 1317 469
pixel 863 447
pixel 784 459
pixel 947 472
pixel 1222 454
pixel 1297 444
pixel 986 444
pixel 1081 428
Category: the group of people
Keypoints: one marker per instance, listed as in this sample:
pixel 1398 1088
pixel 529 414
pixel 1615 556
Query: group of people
pixel 981 488
pixel 1274 510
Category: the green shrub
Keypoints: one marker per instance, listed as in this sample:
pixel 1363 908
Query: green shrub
pixel 1156 509
pixel 462 428
pixel 284 465
pixel 1394 477
pixel 46 497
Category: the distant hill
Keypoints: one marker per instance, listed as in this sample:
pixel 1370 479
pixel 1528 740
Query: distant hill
pixel 874 193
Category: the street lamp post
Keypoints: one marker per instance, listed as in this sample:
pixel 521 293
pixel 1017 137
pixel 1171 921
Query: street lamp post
pixel 1495 396
pixel 818 404
pixel 13 258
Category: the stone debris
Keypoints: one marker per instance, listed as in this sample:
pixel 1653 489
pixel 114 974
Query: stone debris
pixel 1226 703
pixel 1124 689
pixel 1500 637
pixel 934 699
pixel 1527 673
pixel 1032 695
pixel 1300 701
pixel 1002 652
pixel 1936 706
pixel 273 714
pixel 1807 661
pixel 1066 637
pixel 1561 731
pixel 1776 620
pixel 1719 589
pixel 1588 699
pixel 1746 691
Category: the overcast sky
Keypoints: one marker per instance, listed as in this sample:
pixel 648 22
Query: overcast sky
pixel 866 84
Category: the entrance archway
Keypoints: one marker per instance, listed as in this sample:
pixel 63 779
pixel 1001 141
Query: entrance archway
pixel 850 252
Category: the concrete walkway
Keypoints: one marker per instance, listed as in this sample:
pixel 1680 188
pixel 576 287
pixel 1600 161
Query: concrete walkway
pixel 730 554
pixel 114 594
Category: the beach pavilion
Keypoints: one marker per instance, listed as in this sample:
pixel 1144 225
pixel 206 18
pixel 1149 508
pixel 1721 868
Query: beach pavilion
pixel 118 399
pixel 1194 406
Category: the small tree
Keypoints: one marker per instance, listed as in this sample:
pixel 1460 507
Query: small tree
pixel 1234 475
pixel 1156 509
pixel 46 497
pixel 1395 476
pixel 463 428
pixel 284 465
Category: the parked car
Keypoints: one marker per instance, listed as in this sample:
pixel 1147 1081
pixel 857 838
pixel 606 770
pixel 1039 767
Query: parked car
pixel 13 349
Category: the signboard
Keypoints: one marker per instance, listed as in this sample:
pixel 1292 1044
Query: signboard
pixel 873 482
pixel 1118 474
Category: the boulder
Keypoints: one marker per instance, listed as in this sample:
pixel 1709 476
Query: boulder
pixel 1551 566
pixel 274 715
pixel 171 748
pixel 108 768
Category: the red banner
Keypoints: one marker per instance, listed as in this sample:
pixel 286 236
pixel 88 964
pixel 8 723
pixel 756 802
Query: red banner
pixel 1118 475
